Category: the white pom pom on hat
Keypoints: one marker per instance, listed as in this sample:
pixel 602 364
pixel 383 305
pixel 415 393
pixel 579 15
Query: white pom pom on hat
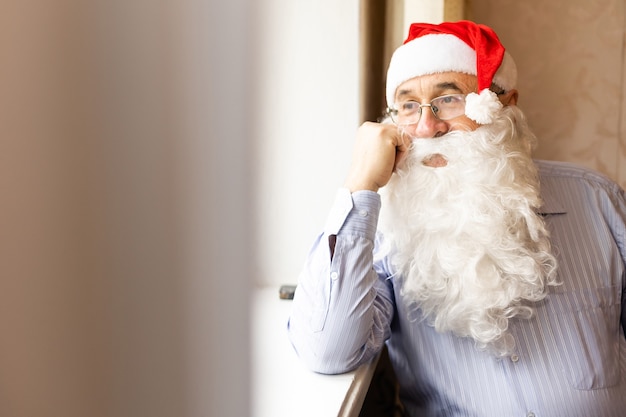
pixel 461 46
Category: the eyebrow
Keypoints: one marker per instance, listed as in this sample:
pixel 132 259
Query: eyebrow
pixel 447 85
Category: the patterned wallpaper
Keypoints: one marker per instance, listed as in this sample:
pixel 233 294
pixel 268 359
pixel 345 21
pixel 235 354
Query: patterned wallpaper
pixel 570 58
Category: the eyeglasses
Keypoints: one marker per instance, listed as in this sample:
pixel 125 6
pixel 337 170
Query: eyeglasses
pixel 444 108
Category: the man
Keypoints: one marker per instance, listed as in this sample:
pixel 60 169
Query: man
pixel 496 282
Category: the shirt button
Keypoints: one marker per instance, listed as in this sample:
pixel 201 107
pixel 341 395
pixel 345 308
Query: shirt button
pixel 363 213
pixel 530 414
pixel 334 275
pixel 515 358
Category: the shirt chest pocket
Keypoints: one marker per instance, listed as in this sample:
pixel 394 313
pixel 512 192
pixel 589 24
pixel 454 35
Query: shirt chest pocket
pixel 586 326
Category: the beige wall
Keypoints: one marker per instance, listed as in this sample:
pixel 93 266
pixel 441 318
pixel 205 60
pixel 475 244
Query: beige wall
pixel 570 56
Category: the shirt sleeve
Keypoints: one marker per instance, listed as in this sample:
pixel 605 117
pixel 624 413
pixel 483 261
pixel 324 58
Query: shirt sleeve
pixel 342 308
pixel 614 211
pixel 620 234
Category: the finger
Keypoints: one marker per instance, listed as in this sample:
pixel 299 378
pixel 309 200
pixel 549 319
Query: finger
pixel 404 141
pixel 402 147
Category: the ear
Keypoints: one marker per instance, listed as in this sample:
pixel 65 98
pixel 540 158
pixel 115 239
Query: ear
pixel 509 98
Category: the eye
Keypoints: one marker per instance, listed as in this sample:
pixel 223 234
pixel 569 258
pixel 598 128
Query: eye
pixel 452 101
pixel 408 107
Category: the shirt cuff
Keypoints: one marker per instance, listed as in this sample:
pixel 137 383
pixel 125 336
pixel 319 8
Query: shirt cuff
pixel 355 213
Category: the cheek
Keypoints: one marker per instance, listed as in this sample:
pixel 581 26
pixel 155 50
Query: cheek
pixel 463 123
pixel 408 130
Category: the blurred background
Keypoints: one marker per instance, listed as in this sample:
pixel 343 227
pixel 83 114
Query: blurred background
pixel 125 230
pixel 161 159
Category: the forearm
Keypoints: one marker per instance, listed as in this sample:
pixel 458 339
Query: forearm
pixel 340 315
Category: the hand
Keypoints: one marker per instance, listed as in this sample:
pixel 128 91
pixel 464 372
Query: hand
pixel 377 151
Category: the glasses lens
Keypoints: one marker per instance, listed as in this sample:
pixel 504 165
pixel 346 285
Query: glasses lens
pixel 449 107
pixel 408 112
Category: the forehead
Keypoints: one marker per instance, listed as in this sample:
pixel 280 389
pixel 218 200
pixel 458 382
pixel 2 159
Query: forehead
pixel 433 85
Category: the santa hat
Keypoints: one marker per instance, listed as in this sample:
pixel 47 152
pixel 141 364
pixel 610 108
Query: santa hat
pixel 462 46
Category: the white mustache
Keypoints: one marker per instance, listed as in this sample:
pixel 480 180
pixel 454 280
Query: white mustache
pixel 452 146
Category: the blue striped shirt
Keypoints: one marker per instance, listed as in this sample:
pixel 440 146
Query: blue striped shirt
pixel 570 358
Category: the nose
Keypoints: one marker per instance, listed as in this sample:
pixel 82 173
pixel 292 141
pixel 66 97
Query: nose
pixel 429 126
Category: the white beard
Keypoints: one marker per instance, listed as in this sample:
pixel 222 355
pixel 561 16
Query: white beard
pixel 465 237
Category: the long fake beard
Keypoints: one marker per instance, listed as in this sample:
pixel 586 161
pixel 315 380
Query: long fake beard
pixel 466 238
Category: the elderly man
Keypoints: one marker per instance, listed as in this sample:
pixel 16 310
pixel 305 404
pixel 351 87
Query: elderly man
pixel 496 281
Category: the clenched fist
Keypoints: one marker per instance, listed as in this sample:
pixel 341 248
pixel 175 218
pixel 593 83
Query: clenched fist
pixel 377 151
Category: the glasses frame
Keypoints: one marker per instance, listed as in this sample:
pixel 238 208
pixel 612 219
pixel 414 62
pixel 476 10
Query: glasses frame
pixel 392 113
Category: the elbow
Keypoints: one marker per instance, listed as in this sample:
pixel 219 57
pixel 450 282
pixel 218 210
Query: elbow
pixel 321 356
pixel 323 363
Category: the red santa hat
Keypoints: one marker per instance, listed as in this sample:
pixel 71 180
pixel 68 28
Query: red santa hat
pixel 462 46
